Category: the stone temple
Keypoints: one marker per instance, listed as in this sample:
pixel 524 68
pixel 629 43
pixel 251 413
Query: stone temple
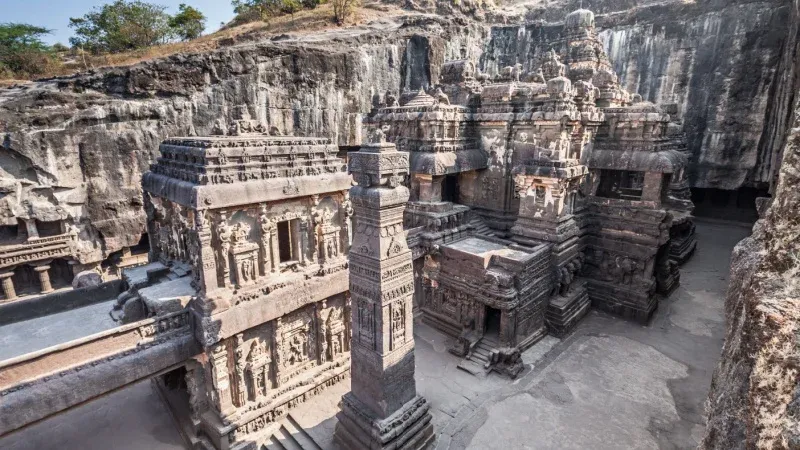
pixel 496 210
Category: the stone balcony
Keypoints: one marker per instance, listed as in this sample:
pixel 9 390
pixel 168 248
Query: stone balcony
pixel 35 249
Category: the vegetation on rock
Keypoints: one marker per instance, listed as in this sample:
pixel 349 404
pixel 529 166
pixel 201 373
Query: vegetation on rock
pixel 130 25
pixel 22 52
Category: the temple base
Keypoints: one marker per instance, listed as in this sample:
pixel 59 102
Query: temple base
pixel 564 312
pixel 409 428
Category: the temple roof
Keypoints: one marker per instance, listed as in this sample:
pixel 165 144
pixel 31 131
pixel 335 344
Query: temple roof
pixel 421 99
pixel 219 171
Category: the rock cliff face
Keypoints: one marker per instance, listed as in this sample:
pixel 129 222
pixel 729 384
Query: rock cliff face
pixel 78 146
pixel 718 62
pixel 755 394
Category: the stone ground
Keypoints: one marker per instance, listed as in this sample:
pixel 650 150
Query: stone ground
pixel 612 384
pixel 36 334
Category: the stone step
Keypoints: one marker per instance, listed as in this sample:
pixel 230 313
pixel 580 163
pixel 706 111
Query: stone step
pixel 291 436
pixel 472 367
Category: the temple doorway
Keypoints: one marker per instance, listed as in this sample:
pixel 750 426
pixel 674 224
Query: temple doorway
pixel 450 188
pixel 492 326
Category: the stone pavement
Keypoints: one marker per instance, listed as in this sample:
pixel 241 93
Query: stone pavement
pixel 612 384
pixel 36 334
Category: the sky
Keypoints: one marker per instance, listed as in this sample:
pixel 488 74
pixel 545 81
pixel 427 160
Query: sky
pixel 55 14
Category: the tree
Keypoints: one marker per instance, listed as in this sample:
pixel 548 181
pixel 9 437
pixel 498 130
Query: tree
pixel 291 7
pixel 122 25
pixel 264 9
pixel 189 23
pixel 22 52
pixel 342 9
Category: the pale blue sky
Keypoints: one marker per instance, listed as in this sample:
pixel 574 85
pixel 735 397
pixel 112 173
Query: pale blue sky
pixel 55 14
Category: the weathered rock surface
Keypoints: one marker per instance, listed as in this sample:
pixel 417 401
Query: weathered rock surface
pixel 755 394
pixel 81 144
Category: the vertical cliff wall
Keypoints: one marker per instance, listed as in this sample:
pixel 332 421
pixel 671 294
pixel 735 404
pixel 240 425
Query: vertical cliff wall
pixel 718 61
pixel 755 394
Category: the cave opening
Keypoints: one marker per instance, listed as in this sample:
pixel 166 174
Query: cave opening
pixel 734 205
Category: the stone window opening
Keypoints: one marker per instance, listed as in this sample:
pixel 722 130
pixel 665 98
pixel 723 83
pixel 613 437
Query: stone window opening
pixel 9 233
pixel 52 228
pixel 289 241
pixel 621 184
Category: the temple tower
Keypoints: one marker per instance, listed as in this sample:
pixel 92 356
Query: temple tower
pixel 383 409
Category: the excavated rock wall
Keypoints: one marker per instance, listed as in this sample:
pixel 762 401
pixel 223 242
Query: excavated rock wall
pixel 718 61
pixel 81 144
pixel 755 393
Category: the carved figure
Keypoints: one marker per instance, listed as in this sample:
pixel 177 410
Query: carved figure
pixel 441 97
pixel 224 235
pixel 391 99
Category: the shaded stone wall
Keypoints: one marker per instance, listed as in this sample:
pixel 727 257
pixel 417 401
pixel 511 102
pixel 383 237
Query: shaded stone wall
pixel 755 393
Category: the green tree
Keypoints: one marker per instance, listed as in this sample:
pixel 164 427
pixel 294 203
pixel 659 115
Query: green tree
pixel 291 7
pixel 22 52
pixel 189 23
pixel 260 9
pixel 122 25
pixel 342 9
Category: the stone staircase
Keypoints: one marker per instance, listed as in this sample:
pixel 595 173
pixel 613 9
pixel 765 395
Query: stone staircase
pixel 478 362
pixel 290 436
pixel 479 227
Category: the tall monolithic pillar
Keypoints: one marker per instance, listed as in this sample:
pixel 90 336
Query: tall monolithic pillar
pixel 383 409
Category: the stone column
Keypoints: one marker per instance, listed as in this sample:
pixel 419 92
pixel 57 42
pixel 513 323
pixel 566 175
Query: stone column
pixel 8 285
pixel 383 410
pixel 30 226
pixel 303 240
pixel 44 278
pixel 220 379
pixel 276 252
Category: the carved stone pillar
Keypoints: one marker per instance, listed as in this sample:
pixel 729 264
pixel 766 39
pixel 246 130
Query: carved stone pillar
pixel 208 278
pixel 195 388
pixel 8 285
pixel 218 359
pixel 224 235
pixel 383 409
pixel 276 255
pixel 277 360
pixel 303 240
pixel 30 226
pixel 44 278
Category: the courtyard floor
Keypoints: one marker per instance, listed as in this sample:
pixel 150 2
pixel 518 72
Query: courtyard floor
pixel 612 384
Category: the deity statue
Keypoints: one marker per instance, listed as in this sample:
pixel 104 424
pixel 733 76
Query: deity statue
pixel 240 233
pixel 224 235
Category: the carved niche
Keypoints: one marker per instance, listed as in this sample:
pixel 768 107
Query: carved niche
pixel 297 344
pixel 333 332
pixel 244 255
pixel 252 368
pixel 366 323
pixel 326 230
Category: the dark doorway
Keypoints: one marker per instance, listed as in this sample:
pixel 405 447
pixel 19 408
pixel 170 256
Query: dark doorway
pixel 492 321
pixel 284 241
pixel 450 188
